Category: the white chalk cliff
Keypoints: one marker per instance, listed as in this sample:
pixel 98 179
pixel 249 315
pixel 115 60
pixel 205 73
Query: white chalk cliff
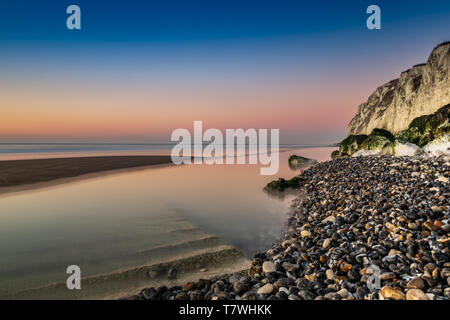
pixel 421 90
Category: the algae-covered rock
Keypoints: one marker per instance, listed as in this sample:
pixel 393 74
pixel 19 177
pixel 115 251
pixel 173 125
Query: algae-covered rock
pixel 351 144
pixel 383 133
pixel 277 187
pixel 335 154
pixel 378 141
pixel 429 132
pixel 282 184
pixel 375 142
pixel 425 129
pixel 296 162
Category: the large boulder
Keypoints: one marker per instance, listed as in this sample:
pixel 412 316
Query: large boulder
pixel 351 144
pixel 335 154
pixel 430 132
pixel 406 149
pixel 378 141
pixel 425 129
pixel 281 184
pixel 383 133
pixel 438 146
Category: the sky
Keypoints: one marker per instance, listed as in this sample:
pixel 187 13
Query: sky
pixel 137 70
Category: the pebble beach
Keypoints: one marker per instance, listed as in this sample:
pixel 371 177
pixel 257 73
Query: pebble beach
pixel 359 228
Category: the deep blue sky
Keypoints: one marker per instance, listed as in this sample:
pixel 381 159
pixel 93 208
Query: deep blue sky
pixel 195 20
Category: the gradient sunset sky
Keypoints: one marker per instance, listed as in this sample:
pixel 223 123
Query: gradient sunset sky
pixel 139 69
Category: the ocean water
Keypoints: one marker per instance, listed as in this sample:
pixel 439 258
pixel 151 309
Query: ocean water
pixel 27 150
pixel 9 151
pixel 136 217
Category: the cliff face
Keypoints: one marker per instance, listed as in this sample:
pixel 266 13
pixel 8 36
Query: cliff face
pixel 421 90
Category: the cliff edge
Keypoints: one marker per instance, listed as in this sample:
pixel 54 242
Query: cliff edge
pixel 419 91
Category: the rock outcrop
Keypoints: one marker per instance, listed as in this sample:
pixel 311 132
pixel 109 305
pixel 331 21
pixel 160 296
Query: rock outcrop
pixel 427 128
pixel 419 91
pixel 281 184
pixel 277 187
pixel 298 162
pixel 429 133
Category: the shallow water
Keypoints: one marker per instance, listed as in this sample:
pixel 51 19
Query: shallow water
pixel 131 218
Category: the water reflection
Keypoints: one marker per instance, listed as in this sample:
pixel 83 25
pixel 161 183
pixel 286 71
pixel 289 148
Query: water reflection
pixel 116 221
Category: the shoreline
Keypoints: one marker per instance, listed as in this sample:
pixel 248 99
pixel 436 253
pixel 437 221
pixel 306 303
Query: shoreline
pixel 359 215
pixel 226 266
pixel 29 174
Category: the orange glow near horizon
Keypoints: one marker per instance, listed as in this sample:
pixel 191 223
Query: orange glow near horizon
pixel 57 114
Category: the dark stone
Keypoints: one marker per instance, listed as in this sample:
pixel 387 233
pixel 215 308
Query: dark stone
pixel 172 273
pixel 361 292
pixel 306 295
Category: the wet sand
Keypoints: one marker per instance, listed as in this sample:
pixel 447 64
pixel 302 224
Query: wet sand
pixel 23 174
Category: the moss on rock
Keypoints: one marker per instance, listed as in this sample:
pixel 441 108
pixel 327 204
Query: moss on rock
pixel 375 142
pixel 383 133
pixel 296 162
pixel 282 184
pixel 335 154
pixel 351 144
pixel 378 139
pixel 422 130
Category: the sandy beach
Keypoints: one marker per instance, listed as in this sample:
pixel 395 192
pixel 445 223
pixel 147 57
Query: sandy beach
pixel 25 173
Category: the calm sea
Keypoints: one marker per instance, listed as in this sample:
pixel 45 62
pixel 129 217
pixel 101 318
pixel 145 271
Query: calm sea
pixel 136 217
